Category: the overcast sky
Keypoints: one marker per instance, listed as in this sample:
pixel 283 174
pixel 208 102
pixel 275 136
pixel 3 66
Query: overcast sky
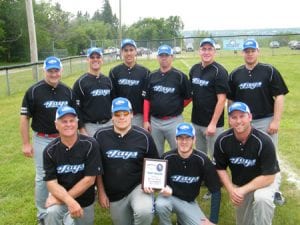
pixel 200 14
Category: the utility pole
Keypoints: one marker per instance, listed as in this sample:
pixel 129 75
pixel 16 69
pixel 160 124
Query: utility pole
pixel 120 20
pixel 32 37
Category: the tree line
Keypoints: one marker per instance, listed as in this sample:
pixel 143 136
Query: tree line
pixel 58 29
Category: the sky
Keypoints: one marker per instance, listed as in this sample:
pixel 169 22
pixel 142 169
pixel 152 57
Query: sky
pixel 201 15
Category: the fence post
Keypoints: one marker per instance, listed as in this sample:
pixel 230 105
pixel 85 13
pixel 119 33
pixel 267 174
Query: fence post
pixel 7 82
pixel 36 72
pixel 70 65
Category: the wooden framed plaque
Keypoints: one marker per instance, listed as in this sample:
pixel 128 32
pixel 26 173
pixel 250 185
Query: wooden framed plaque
pixel 154 173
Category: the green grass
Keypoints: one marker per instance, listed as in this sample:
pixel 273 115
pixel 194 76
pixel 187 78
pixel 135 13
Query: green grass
pixel 17 172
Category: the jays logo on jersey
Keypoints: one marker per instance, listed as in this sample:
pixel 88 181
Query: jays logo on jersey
pixel 162 89
pixel 118 154
pixel 55 104
pixel 100 92
pixel 128 82
pixel 243 161
pixel 70 168
pixel 184 179
pixel 200 82
pixel 249 85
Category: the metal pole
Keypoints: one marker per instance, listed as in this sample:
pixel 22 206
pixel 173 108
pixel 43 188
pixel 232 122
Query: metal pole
pixel 120 20
pixel 7 82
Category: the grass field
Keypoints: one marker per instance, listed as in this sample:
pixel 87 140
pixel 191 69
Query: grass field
pixel 17 172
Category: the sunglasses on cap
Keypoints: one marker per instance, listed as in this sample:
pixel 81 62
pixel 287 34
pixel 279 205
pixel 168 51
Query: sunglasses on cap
pixel 121 113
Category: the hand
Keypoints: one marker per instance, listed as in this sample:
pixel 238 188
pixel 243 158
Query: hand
pixel 273 127
pixel 28 150
pixel 51 200
pixel 148 190
pixel 210 130
pixel 147 126
pixel 75 209
pixel 166 191
pixel 103 200
pixel 237 196
pixel 206 221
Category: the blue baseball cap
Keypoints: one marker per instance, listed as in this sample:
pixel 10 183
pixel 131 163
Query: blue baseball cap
pixel 165 49
pixel 250 43
pixel 121 104
pixel 128 41
pixel 93 50
pixel 207 41
pixel 52 62
pixel 64 110
pixel 185 129
pixel 238 106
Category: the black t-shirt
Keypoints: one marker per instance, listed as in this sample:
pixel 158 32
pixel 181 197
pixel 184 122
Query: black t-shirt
pixel 94 95
pixel 207 82
pixel 130 83
pixel 186 175
pixel 256 88
pixel 41 101
pixel 69 166
pixel 167 92
pixel 123 159
pixel 246 161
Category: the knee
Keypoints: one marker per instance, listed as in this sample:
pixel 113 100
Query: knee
pixel 162 206
pixel 262 197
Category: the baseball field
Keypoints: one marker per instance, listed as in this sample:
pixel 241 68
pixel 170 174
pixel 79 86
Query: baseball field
pixel 17 172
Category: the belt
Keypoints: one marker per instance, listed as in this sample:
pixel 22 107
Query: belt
pixel 101 121
pixel 47 135
pixel 166 117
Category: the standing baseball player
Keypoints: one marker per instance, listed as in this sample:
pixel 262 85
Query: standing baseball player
pixel 167 92
pixel 123 147
pixel 250 154
pixel 40 103
pixel 129 79
pixel 94 93
pixel 209 81
pixel 187 169
pixel 71 164
pixel 261 87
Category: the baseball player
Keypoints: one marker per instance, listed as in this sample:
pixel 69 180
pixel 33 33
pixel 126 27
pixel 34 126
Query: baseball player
pixel 250 154
pixel 93 89
pixel 123 147
pixel 261 87
pixel 209 82
pixel 71 164
pixel 39 104
pixel 187 169
pixel 129 78
pixel 167 92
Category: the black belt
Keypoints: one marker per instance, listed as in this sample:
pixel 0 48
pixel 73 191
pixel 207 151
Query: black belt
pixel 101 121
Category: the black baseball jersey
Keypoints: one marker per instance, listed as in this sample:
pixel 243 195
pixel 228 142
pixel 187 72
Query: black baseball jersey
pixel 130 83
pixel 185 176
pixel 256 88
pixel 41 102
pixel 69 166
pixel 123 159
pixel 94 95
pixel 207 82
pixel 246 161
pixel 167 92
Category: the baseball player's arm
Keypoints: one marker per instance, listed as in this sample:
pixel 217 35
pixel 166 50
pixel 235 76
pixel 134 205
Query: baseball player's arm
pixel 146 106
pixel 61 194
pixel 211 128
pixel 102 197
pixel 278 109
pixel 24 130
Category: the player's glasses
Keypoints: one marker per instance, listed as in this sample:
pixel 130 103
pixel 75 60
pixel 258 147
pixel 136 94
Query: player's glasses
pixel 121 113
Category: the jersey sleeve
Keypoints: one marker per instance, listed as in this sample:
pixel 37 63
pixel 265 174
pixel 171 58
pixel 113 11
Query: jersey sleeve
pixel 278 86
pixel 186 87
pixel 268 159
pixel 211 177
pixel 146 91
pixel 232 88
pixel 49 166
pixel 152 150
pixel 219 156
pixel 93 164
pixel 222 85
pixel 27 104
